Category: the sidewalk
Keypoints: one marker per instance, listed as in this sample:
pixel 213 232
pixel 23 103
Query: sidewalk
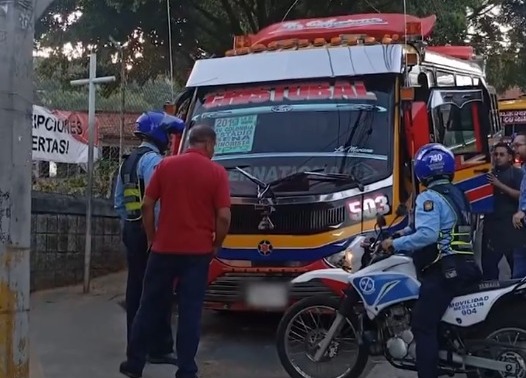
pixel 81 336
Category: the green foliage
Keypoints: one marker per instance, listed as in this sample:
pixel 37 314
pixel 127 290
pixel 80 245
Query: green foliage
pixel 76 184
pixel 205 27
pixel 53 91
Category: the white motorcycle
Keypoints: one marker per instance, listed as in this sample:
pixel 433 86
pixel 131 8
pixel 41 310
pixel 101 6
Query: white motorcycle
pixel 482 334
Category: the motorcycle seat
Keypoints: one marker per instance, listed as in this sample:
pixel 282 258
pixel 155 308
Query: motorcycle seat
pixel 489 285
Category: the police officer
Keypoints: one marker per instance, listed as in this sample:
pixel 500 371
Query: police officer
pixel 154 130
pixel 442 250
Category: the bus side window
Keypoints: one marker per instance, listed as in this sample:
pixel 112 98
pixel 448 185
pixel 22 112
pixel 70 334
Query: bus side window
pixel 460 120
pixel 457 128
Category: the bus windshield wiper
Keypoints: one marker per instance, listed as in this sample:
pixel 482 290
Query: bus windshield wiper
pixel 319 175
pixel 263 187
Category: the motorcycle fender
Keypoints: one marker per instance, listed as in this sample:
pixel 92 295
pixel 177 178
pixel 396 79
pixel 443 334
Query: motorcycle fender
pixel 332 274
pixel 467 310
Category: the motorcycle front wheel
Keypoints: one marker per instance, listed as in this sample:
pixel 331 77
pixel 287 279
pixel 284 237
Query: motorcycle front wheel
pixel 302 328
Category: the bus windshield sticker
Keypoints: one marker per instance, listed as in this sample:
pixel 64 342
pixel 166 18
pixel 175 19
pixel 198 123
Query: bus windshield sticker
pixel 235 134
pixel 341 90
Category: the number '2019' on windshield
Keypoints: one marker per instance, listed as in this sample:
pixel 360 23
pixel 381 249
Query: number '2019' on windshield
pixel 235 134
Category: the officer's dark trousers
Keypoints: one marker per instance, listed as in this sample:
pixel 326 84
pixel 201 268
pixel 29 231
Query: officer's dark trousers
pixel 435 295
pixel 136 244
pixel 192 275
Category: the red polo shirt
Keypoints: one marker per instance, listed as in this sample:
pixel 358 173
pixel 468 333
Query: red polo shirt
pixel 191 188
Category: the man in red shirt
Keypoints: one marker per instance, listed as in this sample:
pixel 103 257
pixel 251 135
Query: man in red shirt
pixel 193 221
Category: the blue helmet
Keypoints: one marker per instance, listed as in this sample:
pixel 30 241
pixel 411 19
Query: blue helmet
pixel 433 160
pixel 157 126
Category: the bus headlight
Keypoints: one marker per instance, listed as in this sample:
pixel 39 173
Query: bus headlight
pixel 336 260
pixel 350 258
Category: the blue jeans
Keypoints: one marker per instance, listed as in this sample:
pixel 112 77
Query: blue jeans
pixel 192 275
pixel 516 260
pixel 137 256
pixel 519 262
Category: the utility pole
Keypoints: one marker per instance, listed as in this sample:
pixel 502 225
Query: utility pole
pixel 91 82
pixel 17 20
pixel 120 48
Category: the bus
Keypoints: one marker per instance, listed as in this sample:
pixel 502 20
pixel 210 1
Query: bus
pixel 317 122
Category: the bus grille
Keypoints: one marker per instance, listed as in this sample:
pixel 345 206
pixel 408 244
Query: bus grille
pixel 288 219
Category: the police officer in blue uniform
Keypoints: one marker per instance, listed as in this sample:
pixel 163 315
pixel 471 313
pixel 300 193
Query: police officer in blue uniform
pixel 442 249
pixel 154 130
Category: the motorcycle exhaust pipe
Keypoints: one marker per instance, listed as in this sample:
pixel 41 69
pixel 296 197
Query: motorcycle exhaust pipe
pixel 509 368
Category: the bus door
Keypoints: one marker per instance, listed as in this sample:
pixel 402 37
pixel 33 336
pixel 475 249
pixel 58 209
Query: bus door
pixel 495 126
pixel 461 121
pixel 178 108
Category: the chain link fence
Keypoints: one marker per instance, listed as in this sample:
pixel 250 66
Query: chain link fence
pixel 116 113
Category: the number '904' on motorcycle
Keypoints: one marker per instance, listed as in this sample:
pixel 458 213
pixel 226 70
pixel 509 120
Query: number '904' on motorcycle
pixel 482 333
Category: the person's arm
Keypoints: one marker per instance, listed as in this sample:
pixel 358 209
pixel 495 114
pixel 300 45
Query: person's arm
pixel 522 195
pixel 509 191
pixel 222 208
pixel 513 193
pixel 518 217
pixel 406 230
pixel 118 200
pixel 427 225
pixel 148 163
pixel 153 192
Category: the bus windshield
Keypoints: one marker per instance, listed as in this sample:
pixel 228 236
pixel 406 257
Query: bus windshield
pixel 271 131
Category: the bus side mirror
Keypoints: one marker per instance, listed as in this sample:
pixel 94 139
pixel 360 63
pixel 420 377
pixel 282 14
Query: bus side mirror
pixel 416 126
pixel 176 143
pixel 170 108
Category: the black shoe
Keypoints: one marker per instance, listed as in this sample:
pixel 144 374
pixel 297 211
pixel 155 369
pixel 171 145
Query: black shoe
pixel 163 359
pixel 129 372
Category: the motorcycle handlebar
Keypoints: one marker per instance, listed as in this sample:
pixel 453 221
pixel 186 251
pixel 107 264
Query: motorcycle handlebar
pixel 374 247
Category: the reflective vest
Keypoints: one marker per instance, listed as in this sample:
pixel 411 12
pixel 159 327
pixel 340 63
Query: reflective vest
pixel 455 241
pixel 133 185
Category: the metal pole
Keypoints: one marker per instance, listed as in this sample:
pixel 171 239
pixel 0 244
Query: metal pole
pixel 89 189
pixel 93 79
pixel 169 17
pixel 16 100
pixel 123 101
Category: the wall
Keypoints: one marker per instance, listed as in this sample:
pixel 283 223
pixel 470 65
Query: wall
pixel 58 226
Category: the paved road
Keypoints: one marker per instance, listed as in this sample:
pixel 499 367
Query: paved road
pixel 82 336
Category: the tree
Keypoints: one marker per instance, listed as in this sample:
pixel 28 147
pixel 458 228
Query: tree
pixel 52 92
pixel 206 27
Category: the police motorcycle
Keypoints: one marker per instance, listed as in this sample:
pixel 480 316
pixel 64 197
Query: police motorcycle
pixel 482 334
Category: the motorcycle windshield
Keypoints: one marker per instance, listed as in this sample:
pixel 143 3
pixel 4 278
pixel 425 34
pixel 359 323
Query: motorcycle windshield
pixel 338 126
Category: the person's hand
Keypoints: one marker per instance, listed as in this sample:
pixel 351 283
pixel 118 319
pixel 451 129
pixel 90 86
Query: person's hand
pixel 387 244
pixel 494 180
pixel 517 219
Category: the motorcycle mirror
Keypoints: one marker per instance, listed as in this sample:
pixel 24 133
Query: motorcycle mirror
pixel 401 210
pixel 380 220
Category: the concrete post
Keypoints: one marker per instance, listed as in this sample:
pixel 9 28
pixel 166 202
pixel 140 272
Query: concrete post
pixel 16 101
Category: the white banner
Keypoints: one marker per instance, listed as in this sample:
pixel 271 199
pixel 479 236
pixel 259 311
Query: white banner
pixel 60 137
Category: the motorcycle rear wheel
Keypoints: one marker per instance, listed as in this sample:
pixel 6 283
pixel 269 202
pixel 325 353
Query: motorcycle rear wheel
pixel 508 318
pixel 284 329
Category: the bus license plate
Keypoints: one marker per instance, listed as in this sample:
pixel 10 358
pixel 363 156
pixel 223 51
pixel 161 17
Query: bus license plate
pixel 267 295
